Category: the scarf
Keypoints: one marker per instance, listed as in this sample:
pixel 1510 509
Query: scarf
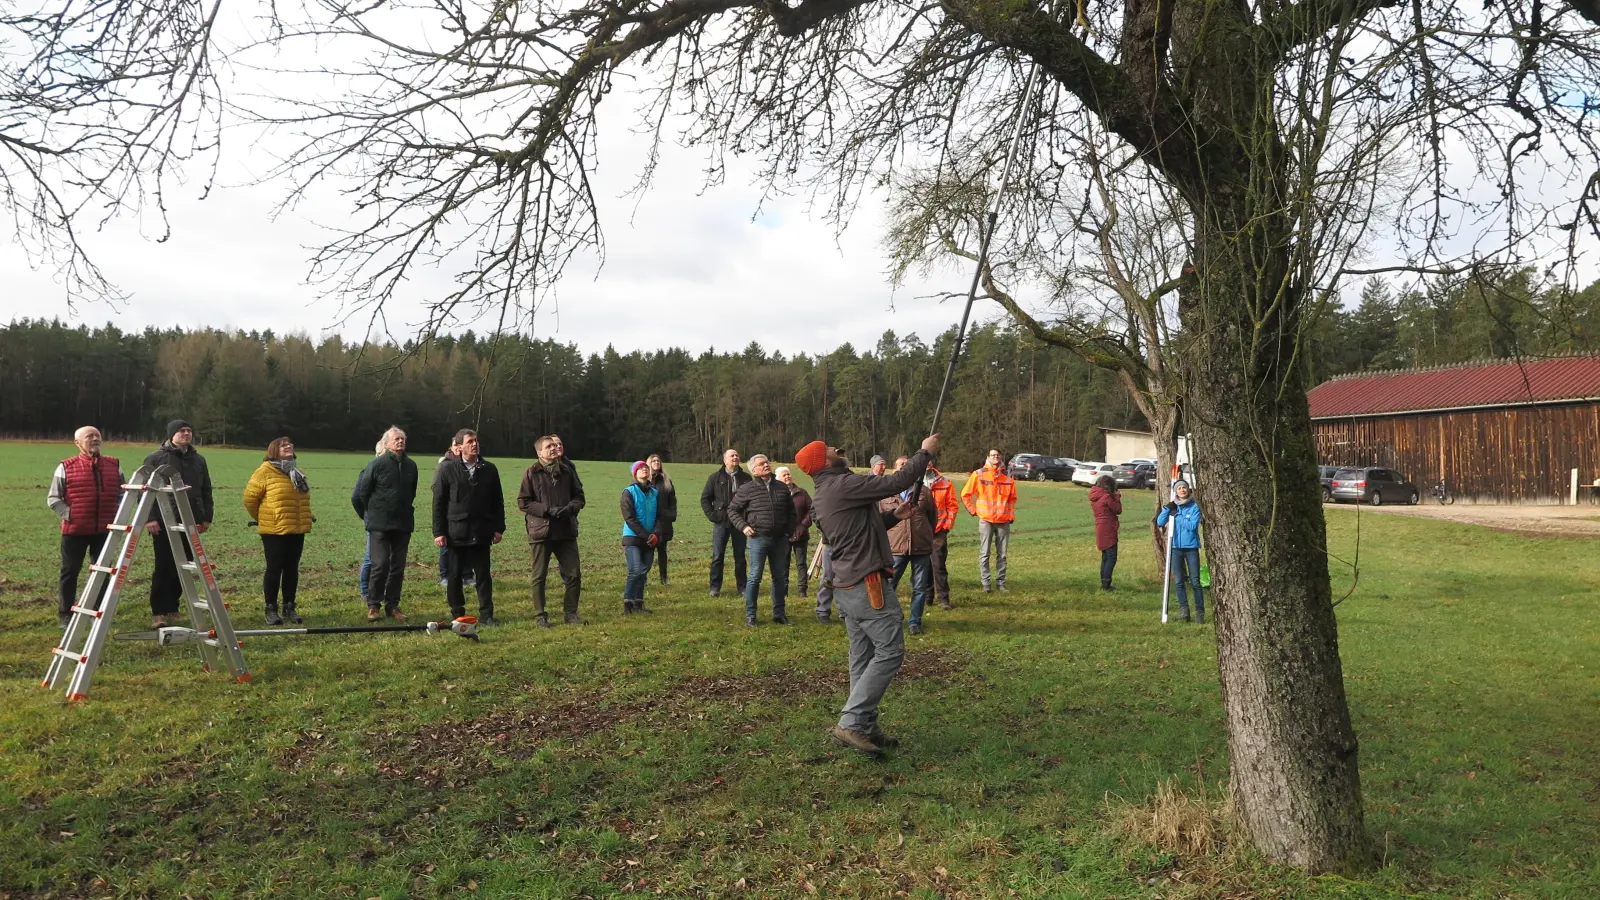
pixel 297 477
pixel 553 468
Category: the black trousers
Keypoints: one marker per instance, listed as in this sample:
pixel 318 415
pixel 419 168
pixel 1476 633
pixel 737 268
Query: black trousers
pixel 388 568
pixel 463 560
pixel 283 566
pixel 720 535
pixel 566 554
pixel 165 588
pixel 661 557
pixel 941 569
pixel 73 548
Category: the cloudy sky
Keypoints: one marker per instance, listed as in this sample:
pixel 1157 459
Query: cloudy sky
pixel 684 266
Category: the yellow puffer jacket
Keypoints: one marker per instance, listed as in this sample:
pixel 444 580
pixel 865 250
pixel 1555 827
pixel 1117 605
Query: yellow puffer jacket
pixel 270 499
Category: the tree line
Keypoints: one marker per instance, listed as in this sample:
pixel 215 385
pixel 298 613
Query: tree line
pixel 245 388
pixel 1494 315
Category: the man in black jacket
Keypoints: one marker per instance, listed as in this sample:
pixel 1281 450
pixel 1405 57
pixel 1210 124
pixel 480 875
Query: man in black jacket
pixel 469 517
pixel 761 511
pixel 177 451
pixel 846 507
pixel 550 497
pixel 714 501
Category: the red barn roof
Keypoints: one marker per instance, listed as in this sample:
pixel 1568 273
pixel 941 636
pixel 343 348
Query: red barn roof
pixel 1471 385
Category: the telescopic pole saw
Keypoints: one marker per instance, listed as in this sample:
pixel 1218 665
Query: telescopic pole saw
pixel 988 228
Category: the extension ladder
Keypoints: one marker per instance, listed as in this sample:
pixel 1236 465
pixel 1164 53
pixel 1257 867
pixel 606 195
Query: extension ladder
pixel 150 493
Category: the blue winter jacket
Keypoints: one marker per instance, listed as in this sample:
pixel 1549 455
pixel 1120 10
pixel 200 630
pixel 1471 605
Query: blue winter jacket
pixel 1186 531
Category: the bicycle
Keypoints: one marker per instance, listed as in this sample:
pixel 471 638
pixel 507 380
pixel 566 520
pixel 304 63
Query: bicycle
pixel 1442 494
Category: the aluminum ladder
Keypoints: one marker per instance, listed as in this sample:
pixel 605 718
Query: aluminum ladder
pixel 148 494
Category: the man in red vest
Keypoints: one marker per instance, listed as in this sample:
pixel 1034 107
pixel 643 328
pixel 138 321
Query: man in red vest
pixel 84 492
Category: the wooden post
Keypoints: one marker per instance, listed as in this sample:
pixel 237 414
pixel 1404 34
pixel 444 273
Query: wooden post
pixel 1574 494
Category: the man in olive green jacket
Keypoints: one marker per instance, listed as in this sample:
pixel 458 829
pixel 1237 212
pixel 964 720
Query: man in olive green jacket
pixel 385 501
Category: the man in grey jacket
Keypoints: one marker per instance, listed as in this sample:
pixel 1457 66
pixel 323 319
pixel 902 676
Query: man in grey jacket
pixel 846 507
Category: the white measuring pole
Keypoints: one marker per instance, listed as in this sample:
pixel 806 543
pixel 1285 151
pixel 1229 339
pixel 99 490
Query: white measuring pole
pixel 1166 574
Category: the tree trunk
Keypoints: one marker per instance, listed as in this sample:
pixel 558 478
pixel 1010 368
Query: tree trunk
pixel 1291 746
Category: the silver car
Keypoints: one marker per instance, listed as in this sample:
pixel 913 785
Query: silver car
pixel 1373 485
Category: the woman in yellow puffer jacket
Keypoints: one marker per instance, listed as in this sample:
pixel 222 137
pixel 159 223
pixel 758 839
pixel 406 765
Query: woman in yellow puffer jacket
pixel 278 497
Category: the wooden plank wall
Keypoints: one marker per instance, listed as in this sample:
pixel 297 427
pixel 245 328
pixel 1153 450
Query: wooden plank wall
pixel 1514 455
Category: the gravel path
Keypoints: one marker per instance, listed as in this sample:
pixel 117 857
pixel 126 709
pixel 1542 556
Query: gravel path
pixel 1582 520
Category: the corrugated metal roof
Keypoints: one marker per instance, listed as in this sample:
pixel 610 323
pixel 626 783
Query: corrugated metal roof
pixel 1501 383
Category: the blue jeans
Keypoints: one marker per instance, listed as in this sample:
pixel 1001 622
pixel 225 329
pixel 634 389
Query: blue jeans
pixel 366 567
pixel 1186 568
pixel 772 552
pixel 444 563
pixel 639 560
pixel 921 582
pixel 1108 564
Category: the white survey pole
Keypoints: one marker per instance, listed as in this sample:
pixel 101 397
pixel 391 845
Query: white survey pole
pixel 1166 574
pixel 1574 497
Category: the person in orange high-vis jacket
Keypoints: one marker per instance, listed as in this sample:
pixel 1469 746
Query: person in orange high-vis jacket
pixel 991 495
pixel 944 499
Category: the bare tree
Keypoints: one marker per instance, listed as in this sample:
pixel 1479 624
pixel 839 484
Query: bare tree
pixel 102 103
pixel 1287 131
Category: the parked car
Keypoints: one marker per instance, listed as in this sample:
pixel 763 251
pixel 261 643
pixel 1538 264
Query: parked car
pixel 1325 475
pixel 1135 474
pixel 1373 485
pixel 1087 472
pixel 1037 467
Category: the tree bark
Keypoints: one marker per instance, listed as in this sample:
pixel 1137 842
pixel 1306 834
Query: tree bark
pixel 1291 746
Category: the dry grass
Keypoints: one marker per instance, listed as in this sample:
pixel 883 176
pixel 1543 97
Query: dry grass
pixel 1187 823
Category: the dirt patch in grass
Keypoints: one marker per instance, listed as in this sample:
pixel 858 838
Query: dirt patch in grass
pixel 446 752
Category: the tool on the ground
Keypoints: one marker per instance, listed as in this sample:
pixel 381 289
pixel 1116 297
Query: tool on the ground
pixel 151 495
pixel 465 626
pixel 815 568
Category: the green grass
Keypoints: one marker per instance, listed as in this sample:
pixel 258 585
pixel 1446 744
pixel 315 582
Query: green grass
pixel 681 754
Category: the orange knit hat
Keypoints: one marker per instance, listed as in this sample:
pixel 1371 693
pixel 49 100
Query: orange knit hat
pixel 812 457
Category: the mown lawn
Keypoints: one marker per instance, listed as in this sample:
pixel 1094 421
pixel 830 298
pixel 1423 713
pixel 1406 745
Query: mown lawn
pixel 682 755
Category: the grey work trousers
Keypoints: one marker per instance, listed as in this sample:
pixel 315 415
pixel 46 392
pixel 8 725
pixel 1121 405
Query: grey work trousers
pixel 877 647
pixel 1000 535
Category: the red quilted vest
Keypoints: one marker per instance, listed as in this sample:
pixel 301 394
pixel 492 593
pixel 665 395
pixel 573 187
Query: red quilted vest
pixel 93 491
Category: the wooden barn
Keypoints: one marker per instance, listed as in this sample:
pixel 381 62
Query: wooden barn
pixel 1496 432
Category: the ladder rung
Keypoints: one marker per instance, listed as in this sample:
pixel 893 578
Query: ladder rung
pixel 201 604
pixel 85 611
pixel 136 487
pixel 114 526
pixel 96 567
pixel 169 489
pixel 178 528
pixel 189 567
pixel 75 657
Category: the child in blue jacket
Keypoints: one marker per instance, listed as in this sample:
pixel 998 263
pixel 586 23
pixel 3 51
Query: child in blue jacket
pixel 1185 548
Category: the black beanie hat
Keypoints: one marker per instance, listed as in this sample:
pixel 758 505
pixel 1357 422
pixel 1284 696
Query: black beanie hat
pixel 175 426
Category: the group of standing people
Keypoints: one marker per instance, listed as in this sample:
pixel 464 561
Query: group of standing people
pixel 85 491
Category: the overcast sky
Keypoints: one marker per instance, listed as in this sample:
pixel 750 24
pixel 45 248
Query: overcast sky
pixel 684 267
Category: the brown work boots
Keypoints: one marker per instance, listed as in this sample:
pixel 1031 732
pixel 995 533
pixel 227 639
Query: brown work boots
pixel 872 744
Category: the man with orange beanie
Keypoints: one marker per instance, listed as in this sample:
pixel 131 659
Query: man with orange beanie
pixel 846 507
pixel 991 495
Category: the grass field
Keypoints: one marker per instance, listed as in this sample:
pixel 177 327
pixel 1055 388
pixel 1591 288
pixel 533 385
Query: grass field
pixel 681 755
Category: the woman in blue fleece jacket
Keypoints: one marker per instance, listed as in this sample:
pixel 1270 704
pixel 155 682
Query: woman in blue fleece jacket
pixel 1185 548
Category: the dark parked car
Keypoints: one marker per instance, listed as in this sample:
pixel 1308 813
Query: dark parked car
pixel 1037 467
pixel 1135 475
pixel 1373 485
pixel 1325 475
